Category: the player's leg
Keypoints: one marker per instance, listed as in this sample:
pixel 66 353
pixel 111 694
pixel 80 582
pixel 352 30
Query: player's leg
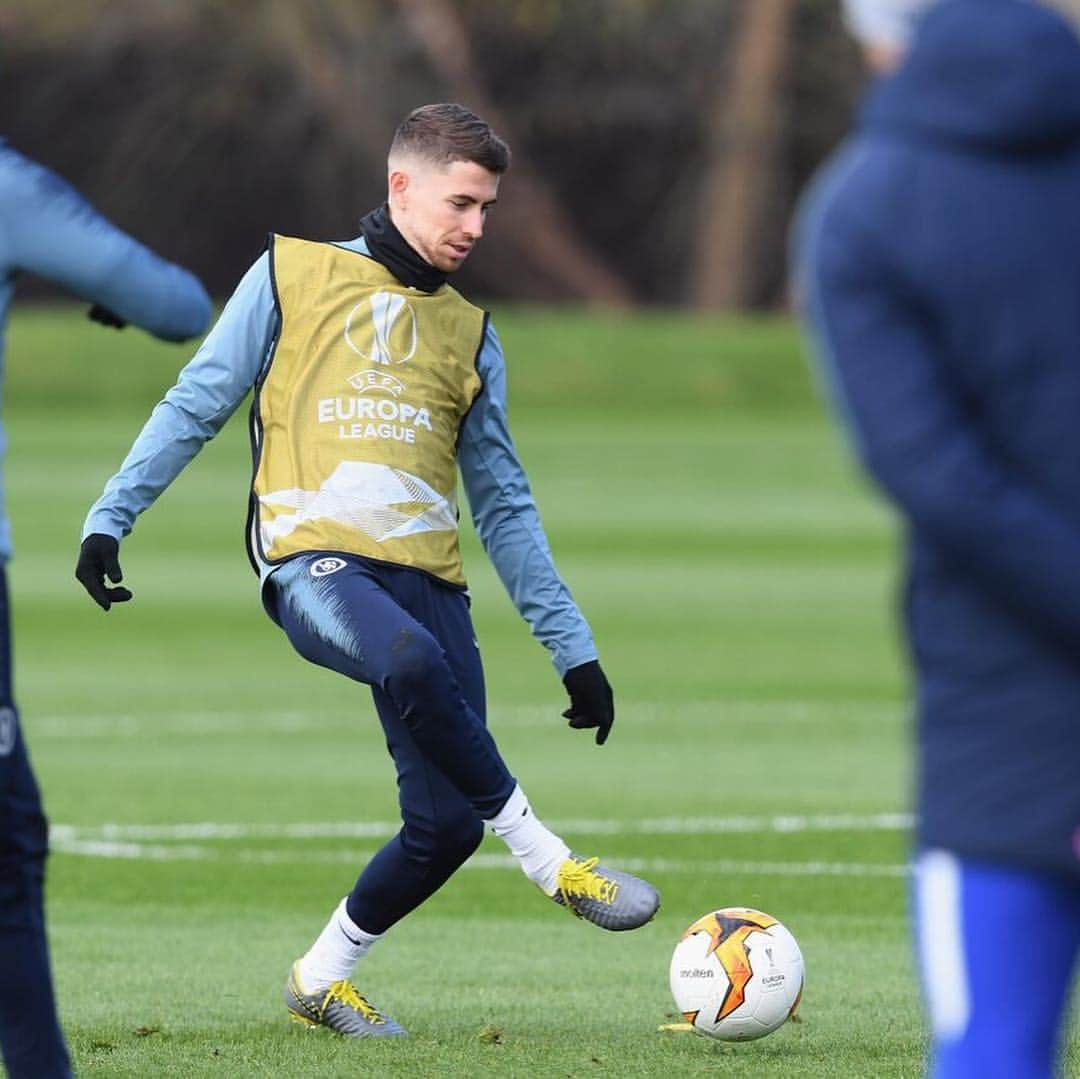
pixel 440 828
pixel 30 1037
pixel 354 620
pixel 365 621
pixel 439 832
pixel 603 896
pixel 997 951
pixel 349 622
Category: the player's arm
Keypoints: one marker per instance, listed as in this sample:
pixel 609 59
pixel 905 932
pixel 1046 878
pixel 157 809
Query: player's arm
pixel 208 391
pixel 49 229
pixel 917 439
pixel 508 523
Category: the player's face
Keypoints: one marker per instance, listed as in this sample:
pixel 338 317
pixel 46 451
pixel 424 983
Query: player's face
pixel 441 210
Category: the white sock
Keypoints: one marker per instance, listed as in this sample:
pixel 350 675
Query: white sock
pixel 335 952
pixel 539 850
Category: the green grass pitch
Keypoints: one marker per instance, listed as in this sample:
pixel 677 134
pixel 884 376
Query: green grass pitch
pixel 213 796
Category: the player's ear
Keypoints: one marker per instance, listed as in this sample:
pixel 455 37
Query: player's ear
pixel 399 189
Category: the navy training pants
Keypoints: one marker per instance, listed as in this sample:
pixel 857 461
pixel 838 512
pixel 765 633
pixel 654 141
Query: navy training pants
pixel 30 1037
pixel 411 639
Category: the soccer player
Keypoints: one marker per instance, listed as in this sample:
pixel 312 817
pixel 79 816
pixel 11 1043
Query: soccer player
pixel 374 381
pixel 48 228
pixel 939 263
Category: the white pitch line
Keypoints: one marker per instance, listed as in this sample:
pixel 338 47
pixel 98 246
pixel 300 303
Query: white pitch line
pixel 150 842
pixel 100 848
pixel 176 723
pixel 209 830
pixel 199 723
pixel 158 853
pixel 720 867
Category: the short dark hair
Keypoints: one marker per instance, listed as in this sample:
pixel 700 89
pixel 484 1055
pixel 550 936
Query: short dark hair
pixel 445 133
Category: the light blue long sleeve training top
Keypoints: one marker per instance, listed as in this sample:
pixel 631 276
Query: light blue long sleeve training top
pixel 49 229
pixel 220 375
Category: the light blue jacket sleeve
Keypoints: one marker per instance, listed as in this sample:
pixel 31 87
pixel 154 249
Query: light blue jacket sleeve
pixel 208 391
pixel 48 228
pixel 508 524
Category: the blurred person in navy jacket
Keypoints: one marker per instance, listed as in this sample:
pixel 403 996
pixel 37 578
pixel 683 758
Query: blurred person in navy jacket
pixel 47 228
pixel 938 265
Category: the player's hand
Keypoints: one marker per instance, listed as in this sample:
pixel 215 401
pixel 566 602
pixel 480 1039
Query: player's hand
pixel 97 313
pixel 98 557
pixel 592 704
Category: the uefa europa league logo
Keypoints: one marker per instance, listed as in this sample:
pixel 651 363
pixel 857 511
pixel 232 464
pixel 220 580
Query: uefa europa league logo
pixel 386 327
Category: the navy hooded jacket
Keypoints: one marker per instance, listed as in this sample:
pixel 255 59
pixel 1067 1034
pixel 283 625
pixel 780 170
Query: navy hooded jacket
pixel 939 268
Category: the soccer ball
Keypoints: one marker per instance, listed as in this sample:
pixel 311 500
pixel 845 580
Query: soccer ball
pixel 737 974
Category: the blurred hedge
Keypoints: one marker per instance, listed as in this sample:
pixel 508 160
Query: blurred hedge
pixel 202 125
pixel 557 360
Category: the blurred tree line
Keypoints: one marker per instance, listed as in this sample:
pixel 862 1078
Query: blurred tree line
pixel 659 145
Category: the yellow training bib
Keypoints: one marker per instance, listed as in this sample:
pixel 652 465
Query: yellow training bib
pixel 355 423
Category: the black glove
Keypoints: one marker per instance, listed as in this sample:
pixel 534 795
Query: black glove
pixel 97 313
pixel 98 556
pixel 592 703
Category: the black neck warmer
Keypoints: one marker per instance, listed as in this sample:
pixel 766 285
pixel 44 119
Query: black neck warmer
pixel 389 247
